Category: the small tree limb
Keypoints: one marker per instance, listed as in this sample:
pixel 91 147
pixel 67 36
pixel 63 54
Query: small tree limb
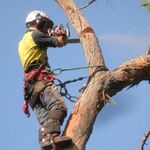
pixel 145 137
pixel 86 5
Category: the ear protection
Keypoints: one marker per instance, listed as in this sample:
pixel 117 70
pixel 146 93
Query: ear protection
pixel 43 23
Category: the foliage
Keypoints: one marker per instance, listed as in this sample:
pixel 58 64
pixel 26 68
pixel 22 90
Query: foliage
pixel 146 4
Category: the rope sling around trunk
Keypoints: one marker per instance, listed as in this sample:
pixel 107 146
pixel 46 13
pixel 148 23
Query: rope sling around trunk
pixel 63 89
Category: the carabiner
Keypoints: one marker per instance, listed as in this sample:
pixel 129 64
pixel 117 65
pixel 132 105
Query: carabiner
pixel 57 71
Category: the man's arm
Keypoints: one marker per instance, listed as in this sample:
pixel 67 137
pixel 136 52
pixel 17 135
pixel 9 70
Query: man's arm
pixel 44 41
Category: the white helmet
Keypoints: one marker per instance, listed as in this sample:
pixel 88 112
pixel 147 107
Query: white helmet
pixel 40 19
pixel 33 16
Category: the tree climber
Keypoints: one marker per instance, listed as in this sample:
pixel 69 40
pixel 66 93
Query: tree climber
pixel 40 91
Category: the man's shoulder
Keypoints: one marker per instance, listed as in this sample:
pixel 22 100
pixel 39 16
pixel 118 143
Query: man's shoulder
pixel 36 35
pixel 37 32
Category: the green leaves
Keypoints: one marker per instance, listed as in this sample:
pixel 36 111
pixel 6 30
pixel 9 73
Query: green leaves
pixel 146 4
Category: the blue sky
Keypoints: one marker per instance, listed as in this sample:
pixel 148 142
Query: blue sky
pixel 123 29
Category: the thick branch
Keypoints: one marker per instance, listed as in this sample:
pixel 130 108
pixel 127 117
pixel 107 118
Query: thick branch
pixel 130 73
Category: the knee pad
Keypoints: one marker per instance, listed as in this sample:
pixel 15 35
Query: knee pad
pixel 57 114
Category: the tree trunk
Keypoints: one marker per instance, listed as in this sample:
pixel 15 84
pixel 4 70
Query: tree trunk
pixel 102 84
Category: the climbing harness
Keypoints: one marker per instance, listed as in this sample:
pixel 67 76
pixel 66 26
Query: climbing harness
pixel 40 73
pixel 31 89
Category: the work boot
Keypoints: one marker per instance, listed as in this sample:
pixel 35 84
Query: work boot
pixel 49 136
pixel 51 141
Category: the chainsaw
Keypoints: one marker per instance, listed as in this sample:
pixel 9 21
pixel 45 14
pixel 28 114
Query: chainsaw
pixel 66 32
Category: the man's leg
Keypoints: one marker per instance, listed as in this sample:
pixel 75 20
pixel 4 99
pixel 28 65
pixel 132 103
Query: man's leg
pixel 51 111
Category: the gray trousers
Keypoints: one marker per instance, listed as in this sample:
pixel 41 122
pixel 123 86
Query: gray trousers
pixel 49 99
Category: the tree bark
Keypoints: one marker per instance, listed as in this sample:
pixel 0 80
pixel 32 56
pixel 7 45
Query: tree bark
pixel 86 34
pixel 102 84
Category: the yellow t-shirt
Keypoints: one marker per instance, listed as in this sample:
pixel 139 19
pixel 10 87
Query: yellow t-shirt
pixel 29 51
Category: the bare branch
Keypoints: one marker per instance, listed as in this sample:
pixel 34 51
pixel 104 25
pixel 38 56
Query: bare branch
pixel 87 4
pixel 146 136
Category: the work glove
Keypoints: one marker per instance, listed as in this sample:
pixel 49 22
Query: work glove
pixel 58 31
pixel 60 41
pixel 60 34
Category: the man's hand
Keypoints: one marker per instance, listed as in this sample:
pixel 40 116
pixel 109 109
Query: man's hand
pixel 60 35
pixel 60 41
pixel 58 31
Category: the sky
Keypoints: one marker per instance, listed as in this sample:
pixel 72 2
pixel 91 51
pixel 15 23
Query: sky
pixel 123 30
